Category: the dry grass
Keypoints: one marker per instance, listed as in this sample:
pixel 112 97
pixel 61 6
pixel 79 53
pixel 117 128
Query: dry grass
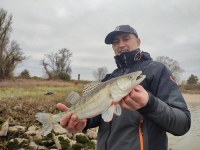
pixel 22 99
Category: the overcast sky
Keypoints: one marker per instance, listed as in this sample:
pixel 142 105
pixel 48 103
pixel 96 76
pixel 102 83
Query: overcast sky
pixel 166 28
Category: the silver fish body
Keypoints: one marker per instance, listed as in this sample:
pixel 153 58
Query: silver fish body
pixel 103 99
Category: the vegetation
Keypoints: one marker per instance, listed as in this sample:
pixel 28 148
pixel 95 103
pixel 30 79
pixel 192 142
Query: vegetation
pixel 10 53
pixel 172 65
pixel 192 79
pixel 25 74
pixel 190 88
pixel 23 98
pixel 100 73
pixel 58 65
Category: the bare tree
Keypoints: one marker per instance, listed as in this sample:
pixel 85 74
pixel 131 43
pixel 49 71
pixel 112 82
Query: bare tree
pixel 100 73
pixel 172 65
pixel 10 52
pixel 57 63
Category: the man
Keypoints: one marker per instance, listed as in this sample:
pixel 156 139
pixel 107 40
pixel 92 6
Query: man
pixel 149 111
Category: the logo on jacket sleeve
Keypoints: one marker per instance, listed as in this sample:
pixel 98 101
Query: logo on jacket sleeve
pixel 172 79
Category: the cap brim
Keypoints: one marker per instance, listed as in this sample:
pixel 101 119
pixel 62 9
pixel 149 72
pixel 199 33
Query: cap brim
pixel 109 38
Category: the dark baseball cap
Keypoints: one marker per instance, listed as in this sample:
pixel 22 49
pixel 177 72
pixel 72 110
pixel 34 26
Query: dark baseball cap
pixel 122 28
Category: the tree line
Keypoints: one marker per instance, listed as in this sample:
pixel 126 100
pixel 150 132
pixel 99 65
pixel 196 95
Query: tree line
pixel 56 65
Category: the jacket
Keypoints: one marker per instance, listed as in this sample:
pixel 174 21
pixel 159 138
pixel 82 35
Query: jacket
pixel 144 129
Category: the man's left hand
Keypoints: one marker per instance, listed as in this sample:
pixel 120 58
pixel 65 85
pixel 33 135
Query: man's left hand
pixel 136 99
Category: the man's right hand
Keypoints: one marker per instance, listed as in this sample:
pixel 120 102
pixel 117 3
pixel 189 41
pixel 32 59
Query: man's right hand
pixel 71 122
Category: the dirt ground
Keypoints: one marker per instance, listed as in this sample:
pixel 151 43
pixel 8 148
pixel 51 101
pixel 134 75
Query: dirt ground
pixel 192 98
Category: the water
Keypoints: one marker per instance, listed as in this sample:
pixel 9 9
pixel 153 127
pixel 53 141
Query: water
pixel 191 140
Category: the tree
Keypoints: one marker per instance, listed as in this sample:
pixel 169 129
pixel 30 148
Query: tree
pixel 192 79
pixel 172 65
pixel 57 63
pixel 64 76
pixel 25 74
pixel 100 73
pixel 10 52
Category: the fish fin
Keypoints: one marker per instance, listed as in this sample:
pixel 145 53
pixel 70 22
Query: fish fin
pixel 89 87
pixel 72 97
pixel 47 122
pixel 108 114
pixel 118 109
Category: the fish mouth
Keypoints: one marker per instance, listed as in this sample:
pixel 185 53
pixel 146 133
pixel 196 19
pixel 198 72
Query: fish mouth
pixel 140 76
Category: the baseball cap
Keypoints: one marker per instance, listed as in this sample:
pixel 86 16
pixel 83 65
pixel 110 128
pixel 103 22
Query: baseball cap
pixel 121 28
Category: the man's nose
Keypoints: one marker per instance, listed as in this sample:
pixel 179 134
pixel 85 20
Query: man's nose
pixel 121 43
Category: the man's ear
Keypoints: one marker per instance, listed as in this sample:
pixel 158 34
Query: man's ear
pixel 138 42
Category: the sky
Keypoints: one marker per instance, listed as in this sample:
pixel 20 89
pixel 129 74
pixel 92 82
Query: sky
pixel 166 28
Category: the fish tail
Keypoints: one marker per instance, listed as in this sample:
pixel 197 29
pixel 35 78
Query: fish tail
pixel 47 122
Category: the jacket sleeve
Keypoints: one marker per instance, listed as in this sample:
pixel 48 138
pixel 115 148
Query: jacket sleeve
pixel 93 122
pixel 166 106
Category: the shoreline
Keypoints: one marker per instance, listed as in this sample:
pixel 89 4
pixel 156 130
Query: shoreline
pixel 191 98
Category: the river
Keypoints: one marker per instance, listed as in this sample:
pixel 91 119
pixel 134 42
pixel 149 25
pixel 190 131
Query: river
pixel 191 140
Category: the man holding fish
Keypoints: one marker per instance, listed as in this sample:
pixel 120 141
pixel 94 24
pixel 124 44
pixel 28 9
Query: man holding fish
pixel 148 111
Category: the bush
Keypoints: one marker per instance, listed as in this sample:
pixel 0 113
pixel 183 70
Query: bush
pixel 64 76
pixel 25 74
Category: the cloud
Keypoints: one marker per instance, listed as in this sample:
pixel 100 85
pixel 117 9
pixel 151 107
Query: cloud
pixel 168 28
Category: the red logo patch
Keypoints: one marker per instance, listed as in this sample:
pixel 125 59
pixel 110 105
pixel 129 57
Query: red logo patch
pixel 172 79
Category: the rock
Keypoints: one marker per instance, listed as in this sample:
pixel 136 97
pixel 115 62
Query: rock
pixel 17 128
pixel 34 146
pixel 63 142
pixel 59 129
pixel 34 128
pixel 19 140
pixel 91 134
pixel 95 141
pixel 34 133
pixel 94 129
pixel 4 128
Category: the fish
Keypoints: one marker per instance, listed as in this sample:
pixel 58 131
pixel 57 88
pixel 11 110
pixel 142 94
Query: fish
pixel 97 98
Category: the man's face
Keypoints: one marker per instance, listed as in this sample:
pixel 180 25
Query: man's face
pixel 124 42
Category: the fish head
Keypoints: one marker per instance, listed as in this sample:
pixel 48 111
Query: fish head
pixel 129 81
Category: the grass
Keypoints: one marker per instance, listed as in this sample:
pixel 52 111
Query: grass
pixel 22 99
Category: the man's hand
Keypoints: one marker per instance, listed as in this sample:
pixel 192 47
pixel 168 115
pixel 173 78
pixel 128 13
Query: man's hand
pixel 136 99
pixel 70 122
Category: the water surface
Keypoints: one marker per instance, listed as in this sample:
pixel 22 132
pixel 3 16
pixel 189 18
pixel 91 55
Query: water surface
pixel 191 140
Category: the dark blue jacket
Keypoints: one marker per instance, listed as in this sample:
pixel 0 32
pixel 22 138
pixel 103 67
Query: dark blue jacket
pixel 166 110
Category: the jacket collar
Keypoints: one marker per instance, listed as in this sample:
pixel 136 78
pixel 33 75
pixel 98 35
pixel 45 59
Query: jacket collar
pixel 131 57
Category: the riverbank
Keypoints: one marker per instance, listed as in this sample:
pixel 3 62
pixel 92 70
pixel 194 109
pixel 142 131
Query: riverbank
pixel 191 98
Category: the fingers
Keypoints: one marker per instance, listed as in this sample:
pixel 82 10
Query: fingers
pixel 129 103
pixel 72 124
pixel 81 124
pixel 65 120
pixel 61 107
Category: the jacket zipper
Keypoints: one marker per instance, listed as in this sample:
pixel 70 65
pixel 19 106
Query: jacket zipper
pixel 141 136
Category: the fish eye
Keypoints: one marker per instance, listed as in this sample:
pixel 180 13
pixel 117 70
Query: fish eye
pixel 130 77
